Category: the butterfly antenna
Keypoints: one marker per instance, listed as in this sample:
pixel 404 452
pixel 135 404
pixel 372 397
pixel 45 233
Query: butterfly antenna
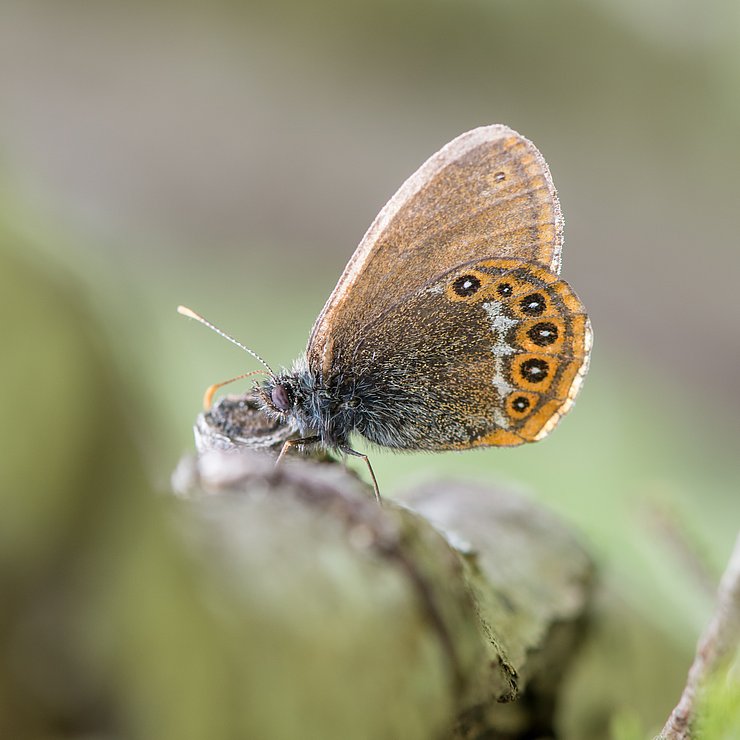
pixel 211 390
pixel 185 311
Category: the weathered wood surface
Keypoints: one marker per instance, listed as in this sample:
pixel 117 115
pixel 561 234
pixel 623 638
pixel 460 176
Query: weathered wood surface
pixel 458 606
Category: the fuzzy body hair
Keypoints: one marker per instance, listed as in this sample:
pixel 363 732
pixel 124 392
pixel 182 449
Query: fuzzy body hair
pixel 373 404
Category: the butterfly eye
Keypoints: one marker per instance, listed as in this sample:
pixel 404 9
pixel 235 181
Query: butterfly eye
pixel 281 397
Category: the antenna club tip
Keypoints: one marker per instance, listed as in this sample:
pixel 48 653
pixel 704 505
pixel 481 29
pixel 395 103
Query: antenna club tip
pixel 185 311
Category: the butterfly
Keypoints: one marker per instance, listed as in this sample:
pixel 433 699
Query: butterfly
pixel 449 328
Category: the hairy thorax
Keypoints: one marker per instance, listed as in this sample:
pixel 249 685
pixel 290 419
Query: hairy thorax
pixel 334 406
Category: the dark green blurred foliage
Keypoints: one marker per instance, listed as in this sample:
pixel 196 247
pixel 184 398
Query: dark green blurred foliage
pixel 101 629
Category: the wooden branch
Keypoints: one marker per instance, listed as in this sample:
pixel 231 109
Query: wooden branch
pixel 435 612
pixel 717 644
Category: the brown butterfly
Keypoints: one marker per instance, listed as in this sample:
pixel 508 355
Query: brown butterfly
pixel 449 328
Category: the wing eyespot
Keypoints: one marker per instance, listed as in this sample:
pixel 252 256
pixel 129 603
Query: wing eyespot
pixel 504 290
pixel 472 285
pixel 533 304
pixel 466 285
pixel 519 405
pixel 544 333
pixel 534 370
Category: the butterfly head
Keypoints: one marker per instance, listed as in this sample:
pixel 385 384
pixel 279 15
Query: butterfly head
pixel 329 408
pixel 287 396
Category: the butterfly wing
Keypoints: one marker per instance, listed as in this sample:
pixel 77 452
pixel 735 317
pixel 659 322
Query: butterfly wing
pixel 487 192
pixel 493 352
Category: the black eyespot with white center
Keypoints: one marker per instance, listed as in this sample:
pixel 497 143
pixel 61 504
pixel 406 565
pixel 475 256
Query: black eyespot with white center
pixel 281 397
pixel 533 304
pixel 534 370
pixel 499 177
pixel 504 290
pixel 543 333
pixel 520 404
pixel 466 285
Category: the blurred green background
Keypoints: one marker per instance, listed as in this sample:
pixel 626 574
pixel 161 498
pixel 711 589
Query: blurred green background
pixel 229 156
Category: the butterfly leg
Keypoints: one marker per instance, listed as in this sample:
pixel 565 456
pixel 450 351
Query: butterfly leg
pixel 295 443
pixel 355 453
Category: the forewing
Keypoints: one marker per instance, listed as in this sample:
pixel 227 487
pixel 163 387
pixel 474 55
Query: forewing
pixel 487 192
pixel 492 353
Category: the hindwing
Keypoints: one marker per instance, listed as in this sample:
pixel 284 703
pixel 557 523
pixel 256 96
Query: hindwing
pixel 492 352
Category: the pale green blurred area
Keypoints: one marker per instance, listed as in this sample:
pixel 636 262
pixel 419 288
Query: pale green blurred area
pixel 230 156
